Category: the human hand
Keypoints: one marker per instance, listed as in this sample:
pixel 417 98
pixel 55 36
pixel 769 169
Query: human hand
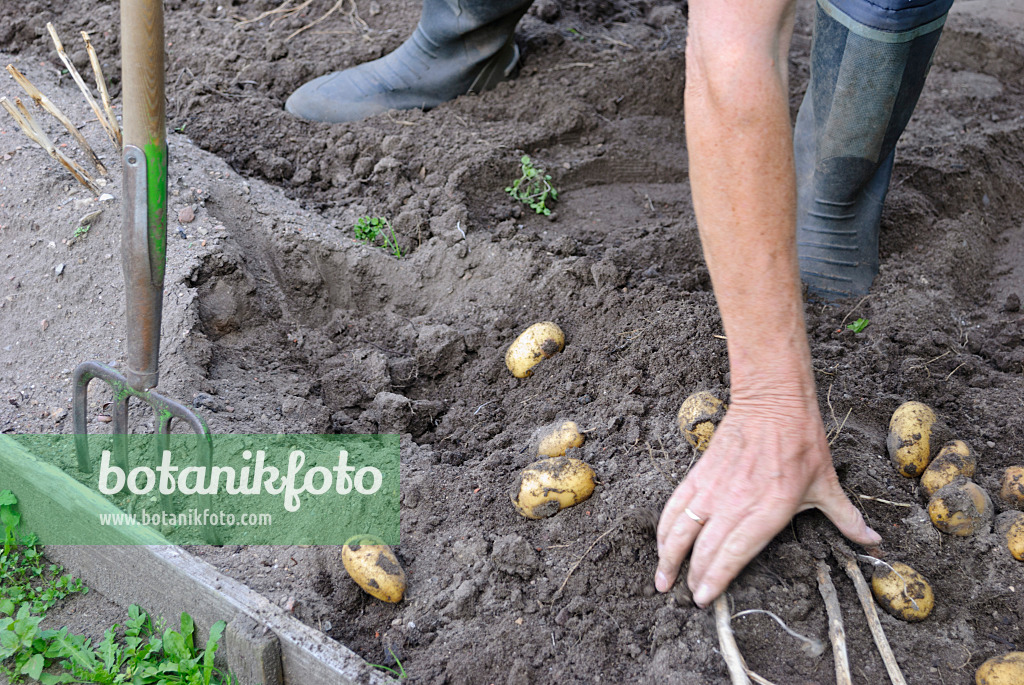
pixel 768 460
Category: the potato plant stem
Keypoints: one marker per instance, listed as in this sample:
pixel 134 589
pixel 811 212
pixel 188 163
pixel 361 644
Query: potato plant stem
pixel 836 631
pixel 727 642
pixel 867 603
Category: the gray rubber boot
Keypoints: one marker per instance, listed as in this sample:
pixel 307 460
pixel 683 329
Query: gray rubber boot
pixel 864 87
pixel 458 47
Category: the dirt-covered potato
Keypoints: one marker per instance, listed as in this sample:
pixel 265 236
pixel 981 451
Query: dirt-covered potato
pixel 1007 669
pixel 902 591
pixel 910 438
pixel 538 342
pixel 547 486
pixel 1010 524
pixel 961 508
pixel 1012 490
pixel 954 459
pixel 374 568
pixel 698 416
pixel 554 439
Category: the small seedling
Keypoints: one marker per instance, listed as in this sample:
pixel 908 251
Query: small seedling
pixel 370 229
pixel 81 232
pixel 858 325
pixel 533 187
pixel 399 673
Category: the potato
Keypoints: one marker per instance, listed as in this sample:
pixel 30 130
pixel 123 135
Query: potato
pixel 911 437
pixel 556 438
pixel 1007 669
pixel 547 486
pixel 374 568
pixel 539 341
pixel 1012 491
pixel 902 591
pixel 698 416
pixel 954 459
pixel 961 508
pixel 1010 524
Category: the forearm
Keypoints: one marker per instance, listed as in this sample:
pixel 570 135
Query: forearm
pixel 769 458
pixel 744 195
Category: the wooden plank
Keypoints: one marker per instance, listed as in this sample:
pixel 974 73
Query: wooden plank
pixel 58 508
pixel 253 652
pixel 163 579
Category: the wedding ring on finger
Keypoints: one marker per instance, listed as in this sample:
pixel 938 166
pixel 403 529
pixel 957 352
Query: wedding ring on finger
pixel 700 521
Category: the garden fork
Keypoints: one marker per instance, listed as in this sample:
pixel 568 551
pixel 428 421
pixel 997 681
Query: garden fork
pixel 143 252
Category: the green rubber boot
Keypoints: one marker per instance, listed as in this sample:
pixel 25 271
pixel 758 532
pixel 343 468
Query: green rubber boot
pixel 458 47
pixel 864 86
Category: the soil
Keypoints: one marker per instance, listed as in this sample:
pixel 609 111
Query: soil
pixel 278 320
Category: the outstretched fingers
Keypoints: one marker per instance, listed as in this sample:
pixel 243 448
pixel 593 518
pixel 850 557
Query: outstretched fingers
pixel 676 533
pixel 727 544
pixel 828 496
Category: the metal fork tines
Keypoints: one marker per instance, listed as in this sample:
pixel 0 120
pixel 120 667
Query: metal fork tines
pixel 166 411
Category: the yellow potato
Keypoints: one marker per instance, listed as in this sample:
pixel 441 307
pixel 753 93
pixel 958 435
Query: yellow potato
pixel 555 439
pixel 1007 669
pixel 1012 491
pixel 547 486
pixel 698 416
pixel 902 591
pixel 961 508
pixel 954 459
pixel 374 568
pixel 910 434
pixel 1010 524
pixel 538 342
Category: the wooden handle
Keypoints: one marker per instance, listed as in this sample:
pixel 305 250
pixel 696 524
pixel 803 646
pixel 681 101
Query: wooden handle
pixel 142 72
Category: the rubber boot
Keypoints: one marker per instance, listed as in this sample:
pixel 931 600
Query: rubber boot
pixel 864 86
pixel 458 47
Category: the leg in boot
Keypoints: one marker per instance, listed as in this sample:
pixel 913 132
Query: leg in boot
pixel 868 66
pixel 458 47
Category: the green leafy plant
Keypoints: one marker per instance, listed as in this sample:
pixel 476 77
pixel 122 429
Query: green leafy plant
pixel 25 578
pixel 399 672
pixel 147 655
pixel 858 325
pixel 371 229
pixel 533 187
pixel 9 519
pixel 82 231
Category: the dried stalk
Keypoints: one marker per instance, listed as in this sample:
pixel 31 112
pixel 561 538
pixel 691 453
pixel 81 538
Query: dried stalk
pixel 867 602
pixel 32 130
pixel 101 86
pixel 54 110
pixel 82 87
pixel 836 631
pixel 727 643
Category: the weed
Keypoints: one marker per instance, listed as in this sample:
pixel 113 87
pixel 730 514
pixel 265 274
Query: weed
pixel 399 673
pixel 81 232
pixel 858 325
pixel 24 578
pixel 149 654
pixel 370 229
pixel 533 187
